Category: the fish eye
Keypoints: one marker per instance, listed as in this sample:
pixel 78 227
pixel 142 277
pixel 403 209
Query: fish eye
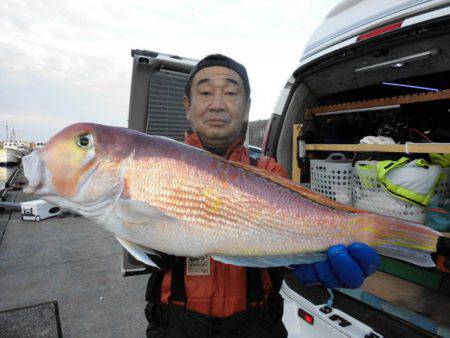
pixel 84 140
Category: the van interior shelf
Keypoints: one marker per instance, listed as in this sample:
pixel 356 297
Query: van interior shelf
pixel 382 103
pixel 299 149
pixel 385 148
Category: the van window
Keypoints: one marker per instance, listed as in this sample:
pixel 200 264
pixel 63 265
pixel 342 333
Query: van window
pixel 166 115
pixel 53 210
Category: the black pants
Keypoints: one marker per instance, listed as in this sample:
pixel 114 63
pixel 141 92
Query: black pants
pixel 178 322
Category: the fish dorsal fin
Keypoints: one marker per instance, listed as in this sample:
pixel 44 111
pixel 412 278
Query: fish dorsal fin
pixel 287 183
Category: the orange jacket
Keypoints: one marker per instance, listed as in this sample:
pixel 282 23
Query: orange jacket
pixel 223 292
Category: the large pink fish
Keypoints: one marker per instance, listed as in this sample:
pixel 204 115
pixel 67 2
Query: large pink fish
pixel 154 193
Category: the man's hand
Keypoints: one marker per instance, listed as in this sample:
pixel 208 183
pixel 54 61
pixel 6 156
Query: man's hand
pixel 346 267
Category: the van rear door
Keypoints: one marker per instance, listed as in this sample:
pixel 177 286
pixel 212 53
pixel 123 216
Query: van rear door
pixel 156 97
pixel 156 107
pixel 352 21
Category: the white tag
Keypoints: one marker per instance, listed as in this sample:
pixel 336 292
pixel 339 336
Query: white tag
pixel 197 266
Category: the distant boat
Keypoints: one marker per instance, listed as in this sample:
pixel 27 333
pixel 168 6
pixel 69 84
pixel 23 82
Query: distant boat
pixel 10 145
pixel 9 156
pixel 22 147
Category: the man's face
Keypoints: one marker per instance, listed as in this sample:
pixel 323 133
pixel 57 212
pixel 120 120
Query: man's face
pixel 218 107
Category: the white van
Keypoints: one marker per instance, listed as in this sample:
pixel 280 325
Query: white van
pixel 372 66
pixel 38 210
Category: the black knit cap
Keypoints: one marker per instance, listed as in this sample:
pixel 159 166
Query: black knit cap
pixel 218 60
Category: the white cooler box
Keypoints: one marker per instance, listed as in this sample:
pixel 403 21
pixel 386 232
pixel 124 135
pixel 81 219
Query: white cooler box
pixel 38 210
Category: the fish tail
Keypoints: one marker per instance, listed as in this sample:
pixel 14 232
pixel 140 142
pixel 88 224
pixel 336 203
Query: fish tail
pixel 407 241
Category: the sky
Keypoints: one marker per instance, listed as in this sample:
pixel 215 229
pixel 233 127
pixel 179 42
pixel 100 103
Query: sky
pixel 63 62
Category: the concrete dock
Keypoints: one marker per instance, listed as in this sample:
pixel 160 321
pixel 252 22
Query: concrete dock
pixel 62 276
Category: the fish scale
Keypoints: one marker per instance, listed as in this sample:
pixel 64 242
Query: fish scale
pixel 156 193
pixel 189 204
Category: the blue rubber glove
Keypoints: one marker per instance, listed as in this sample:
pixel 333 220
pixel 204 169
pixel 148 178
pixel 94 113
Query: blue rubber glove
pixel 346 267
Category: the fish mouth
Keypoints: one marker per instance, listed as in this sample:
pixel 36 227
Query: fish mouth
pixel 32 170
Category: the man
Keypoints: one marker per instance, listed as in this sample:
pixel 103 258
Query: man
pixel 205 298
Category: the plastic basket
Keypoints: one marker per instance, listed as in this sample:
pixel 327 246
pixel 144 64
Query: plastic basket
pixel 369 194
pixel 332 178
pixel 442 191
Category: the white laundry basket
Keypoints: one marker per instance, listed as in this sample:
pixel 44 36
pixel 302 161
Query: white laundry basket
pixel 369 194
pixel 332 177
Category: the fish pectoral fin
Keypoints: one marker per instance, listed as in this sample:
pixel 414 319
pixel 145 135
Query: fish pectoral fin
pixel 137 212
pixel 272 261
pixel 138 252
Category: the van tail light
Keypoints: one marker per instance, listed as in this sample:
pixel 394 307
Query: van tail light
pixel 306 316
pixel 379 31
